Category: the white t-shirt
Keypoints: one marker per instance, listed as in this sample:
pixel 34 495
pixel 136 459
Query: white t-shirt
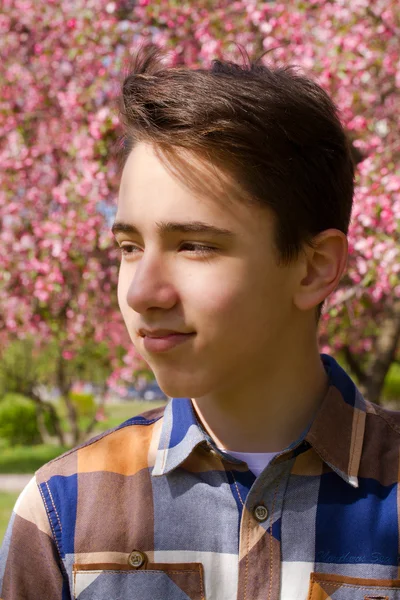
pixel 256 461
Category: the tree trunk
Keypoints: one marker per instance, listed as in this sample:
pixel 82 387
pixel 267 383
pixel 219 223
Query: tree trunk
pixel 100 408
pixel 41 407
pixel 56 424
pixel 372 379
pixel 45 436
pixel 72 417
pixel 65 387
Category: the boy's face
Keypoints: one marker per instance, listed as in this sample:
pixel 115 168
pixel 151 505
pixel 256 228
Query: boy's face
pixel 223 290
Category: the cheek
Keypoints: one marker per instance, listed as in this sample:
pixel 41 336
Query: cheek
pixel 243 299
pixel 213 300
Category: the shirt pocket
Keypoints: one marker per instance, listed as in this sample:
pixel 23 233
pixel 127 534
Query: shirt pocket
pixel 324 586
pixel 157 581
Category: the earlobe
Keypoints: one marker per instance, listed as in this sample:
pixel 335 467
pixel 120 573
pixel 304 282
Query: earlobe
pixel 325 263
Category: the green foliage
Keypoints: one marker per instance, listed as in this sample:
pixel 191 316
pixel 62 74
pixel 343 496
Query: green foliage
pixel 18 423
pixel 23 365
pixel 91 363
pixel 27 460
pixel 391 391
pixel 17 365
pixel 85 404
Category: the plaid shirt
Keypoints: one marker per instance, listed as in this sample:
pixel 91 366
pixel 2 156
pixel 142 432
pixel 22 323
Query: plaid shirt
pixel 152 510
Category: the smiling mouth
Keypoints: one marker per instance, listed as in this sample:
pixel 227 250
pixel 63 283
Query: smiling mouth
pixel 163 343
pixel 160 332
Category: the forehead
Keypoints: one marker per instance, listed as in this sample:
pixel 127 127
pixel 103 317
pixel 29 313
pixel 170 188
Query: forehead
pixel 145 173
pixel 185 188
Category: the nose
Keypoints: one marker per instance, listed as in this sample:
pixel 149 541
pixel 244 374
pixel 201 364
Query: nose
pixel 151 286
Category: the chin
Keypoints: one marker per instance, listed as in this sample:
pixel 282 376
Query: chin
pixel 181 387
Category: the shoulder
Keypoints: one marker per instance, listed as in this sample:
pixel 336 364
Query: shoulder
pixel 79 483
pixel 121 449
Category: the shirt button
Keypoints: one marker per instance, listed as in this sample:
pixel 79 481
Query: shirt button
pixel 137 559
pixel 261 513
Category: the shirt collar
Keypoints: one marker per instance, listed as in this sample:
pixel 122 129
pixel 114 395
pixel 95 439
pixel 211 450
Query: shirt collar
pixel 181 432
pixel 336 433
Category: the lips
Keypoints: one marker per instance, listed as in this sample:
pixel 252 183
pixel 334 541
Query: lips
pixel 161 340
pixel 159 333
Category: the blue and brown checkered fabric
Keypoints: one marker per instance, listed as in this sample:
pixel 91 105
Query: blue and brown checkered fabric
pixel 152 510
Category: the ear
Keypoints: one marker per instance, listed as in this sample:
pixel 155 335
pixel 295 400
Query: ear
pixel 322 268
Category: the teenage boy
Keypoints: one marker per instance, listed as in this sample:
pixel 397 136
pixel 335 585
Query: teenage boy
pixel 267 475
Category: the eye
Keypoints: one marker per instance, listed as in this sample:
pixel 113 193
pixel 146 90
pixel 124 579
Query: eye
pixel 198 248
pixel 128 249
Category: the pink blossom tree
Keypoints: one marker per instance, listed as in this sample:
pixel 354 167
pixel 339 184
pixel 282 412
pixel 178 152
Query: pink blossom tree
pixel 58 125
pixel 62 66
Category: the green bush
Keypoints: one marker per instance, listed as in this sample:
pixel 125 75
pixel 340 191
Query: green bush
pixel 18 420
pixel 391 390
pixel 84 404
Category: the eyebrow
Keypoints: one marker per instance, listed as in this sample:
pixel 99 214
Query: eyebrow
pixel 174 227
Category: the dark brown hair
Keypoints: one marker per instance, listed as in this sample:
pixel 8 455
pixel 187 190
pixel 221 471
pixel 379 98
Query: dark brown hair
pixel 274 132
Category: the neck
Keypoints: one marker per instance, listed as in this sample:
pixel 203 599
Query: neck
pixel 269 407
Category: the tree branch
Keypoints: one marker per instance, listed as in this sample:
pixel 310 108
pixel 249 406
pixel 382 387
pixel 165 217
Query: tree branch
pixel 355 365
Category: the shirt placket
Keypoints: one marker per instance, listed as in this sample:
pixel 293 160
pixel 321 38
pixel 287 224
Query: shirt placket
pixel 259 544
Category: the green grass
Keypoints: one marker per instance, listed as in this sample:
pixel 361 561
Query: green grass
pixel 118 413
pixel 28 459
pixel 7 501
